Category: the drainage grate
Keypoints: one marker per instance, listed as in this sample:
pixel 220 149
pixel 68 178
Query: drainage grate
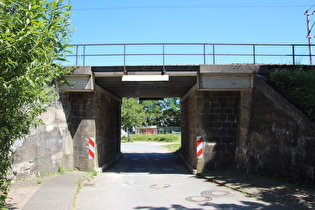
pixel 216 193
pixel 198 198
pixel 160 186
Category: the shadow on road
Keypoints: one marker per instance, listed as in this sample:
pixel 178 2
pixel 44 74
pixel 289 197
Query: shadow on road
pixel 209 205
pixel 272 190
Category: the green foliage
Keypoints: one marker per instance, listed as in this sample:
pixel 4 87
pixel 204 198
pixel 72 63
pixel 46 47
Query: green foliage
pixel 91 175
pixel 33 39
pixel 155 137
pixel 163 113
pixel 132 113
pixel 300 85
pixel 171 112
pixel 62 169
pixel 153 111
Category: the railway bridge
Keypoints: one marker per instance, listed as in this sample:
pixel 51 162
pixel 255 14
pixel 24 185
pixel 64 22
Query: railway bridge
pixel 230 109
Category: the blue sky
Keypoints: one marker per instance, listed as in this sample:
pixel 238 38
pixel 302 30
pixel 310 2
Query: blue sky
pixel 209 21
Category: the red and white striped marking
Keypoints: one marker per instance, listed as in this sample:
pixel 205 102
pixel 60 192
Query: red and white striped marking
pixel 199 147
pixel 91 149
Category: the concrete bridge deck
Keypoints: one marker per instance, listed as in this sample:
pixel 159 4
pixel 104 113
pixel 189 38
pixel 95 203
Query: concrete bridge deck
pixel 181 78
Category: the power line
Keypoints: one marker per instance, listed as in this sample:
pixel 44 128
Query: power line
pixel 193 7
pixel 311 7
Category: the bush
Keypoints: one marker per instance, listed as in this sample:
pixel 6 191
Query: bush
pixel 299 85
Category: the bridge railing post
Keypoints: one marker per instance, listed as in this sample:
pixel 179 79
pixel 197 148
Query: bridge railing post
pixel 125 70
pixel 213 54
pixel 204 54
pixel 77 55
pixel 163 54
pixel 84 55
pixel 254 54
pixel 293 54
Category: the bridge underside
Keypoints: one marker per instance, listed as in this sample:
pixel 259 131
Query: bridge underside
pixel 181 80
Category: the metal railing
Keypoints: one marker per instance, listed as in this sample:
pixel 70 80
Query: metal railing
pixel 187 53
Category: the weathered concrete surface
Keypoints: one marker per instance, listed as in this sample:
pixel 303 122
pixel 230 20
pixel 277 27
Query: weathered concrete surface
pixel 81 80
pixel 46 148
pixel 237 69
pixel 279 139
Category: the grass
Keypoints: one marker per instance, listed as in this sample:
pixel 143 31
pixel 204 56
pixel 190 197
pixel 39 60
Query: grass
pixel 153 138
pixel 88 177
pixel 175 147
pixel 173 140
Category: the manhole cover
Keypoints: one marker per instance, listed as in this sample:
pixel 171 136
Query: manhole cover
pixel 198 198
pixel 160 186
pixel 216 193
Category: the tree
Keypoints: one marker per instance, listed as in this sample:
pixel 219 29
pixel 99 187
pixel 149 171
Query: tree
pixel 132 114
pixel 152 111
pixel 171 112
pixel 34 35
pixel 164 112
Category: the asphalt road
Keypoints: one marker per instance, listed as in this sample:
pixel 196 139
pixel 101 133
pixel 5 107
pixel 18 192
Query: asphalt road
pixel 150 178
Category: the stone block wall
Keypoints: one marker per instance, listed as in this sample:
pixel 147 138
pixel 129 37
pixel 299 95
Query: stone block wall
pixel 217 115
pixel 93 114
pixel 279 140
pixel 188 142
pixel 214 116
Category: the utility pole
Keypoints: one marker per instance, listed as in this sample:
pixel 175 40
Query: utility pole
pixel 309 36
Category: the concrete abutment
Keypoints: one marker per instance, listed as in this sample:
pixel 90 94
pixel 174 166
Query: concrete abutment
pixel 93 115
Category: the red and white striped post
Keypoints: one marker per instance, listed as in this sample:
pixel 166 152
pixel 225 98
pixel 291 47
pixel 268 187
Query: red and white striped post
pixel 91 150
pixel 199 146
